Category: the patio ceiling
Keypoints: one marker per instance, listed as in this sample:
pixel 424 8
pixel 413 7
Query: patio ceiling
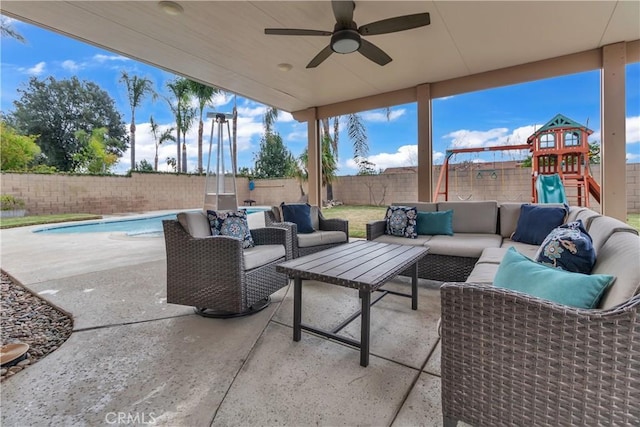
pixel 223 43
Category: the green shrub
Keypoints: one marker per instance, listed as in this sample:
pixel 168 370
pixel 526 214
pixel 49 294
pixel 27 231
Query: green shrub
pixel 10 203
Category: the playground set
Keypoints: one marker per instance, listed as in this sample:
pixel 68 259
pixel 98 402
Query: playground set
pixel 559 162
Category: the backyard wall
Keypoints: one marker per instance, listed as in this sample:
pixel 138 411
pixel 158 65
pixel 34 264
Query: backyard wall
pixel 142 192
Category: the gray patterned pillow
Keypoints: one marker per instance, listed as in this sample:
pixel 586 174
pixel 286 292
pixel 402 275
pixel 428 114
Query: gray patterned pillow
pixel 232 224
pixel 401 221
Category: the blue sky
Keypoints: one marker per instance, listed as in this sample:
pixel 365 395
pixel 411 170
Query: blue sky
pixel 506 115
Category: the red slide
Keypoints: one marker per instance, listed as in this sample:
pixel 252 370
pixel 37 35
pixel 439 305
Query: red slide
pixel 594 188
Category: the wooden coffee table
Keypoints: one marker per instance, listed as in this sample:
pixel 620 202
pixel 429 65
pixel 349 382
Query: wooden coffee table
pixel 362 265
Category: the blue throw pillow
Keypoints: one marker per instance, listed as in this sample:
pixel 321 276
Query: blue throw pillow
pixel 536 222
pixel 232 224
pixel 568 247
pixel 436 223
pixel 299 214
pixel 519 273
pixel 401 221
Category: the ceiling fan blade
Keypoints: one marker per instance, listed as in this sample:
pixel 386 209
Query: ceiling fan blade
pixel 343 11
pixel 295 32
pixel 374 53
pixel 392 25
pixel 320 57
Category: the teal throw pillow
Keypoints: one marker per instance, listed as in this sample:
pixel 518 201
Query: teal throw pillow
pixel 536 222
pixel 436 223
pixel 299 214
pixel 232 224
pixel 568 247
pixel 519 273
pixel 401 221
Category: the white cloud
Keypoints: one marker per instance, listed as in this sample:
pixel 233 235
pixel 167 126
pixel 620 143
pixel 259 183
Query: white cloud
pixel 70 65
pixel 297 135
pixel 107 58
pixel 633 158
pixel 381 116
pixel 36 70
pixel 285 117
pixel 633 130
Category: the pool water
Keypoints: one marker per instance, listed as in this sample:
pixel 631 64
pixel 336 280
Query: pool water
pixel 146 226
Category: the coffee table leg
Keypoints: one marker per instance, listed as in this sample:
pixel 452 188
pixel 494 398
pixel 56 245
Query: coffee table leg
pixel 297 308
pixel 414 287
pixel 365 323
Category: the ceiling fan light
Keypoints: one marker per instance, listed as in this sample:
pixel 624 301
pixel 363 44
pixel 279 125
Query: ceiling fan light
pixel 346 41
pixel 170 7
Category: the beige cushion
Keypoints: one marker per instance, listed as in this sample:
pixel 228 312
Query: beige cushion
pixel 277 213
pixel 473 217
pixel 315 219
pixel 421 240
pixel 468 245
pixel 509 214
pixel 492 255
pixel 196 223
pixel 256 220
pixel 619 257
pixel 262 254
pixel 586 215
pixel 602 227
pixel 321 238
pixel 420 206
pixel 483 273
pixel 524 248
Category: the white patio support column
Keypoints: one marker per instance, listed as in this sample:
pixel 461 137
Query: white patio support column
pixel 315 159
pixel 425 143
pixel 613 145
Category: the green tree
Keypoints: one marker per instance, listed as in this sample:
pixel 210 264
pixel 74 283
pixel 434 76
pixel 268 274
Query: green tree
pixel 56 109
pixel 145 166
pixel 159 138
pixel 329 164
pixel 18 151
pixel 137 89
pixel 204 95
pixel 273 160
pixel 93 157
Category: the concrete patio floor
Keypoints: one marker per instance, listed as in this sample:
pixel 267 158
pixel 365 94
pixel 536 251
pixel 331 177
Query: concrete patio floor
pixel 134 359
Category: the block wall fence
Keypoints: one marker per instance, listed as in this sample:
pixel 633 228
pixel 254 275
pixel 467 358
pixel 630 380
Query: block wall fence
pixel 143 192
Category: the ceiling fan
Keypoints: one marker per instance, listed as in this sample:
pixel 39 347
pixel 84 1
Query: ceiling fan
pixel 346 36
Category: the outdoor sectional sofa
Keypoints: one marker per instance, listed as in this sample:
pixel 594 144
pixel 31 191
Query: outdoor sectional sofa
pixel 508 358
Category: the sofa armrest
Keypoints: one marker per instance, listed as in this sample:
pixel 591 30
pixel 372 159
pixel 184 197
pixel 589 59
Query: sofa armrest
pixel 376 229
pixel 333 224
pixel 274 236
pixel 509 359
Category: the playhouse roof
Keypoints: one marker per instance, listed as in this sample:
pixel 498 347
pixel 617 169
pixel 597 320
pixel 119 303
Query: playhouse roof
pixel 560 122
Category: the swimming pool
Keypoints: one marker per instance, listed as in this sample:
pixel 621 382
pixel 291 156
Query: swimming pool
pixel 145 226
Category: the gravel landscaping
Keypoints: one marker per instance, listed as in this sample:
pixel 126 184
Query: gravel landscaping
pixel 27 318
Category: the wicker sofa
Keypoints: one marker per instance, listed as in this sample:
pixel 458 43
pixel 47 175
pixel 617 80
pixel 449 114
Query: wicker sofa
pixel 328 232
pixel 512 359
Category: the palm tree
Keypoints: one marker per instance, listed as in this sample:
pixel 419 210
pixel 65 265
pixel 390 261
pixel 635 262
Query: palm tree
pixel 269 119
pixel 204 94
pixel 329 164
pixel 179 88
pixel 6 30
pixel 137 89
pixel 159 139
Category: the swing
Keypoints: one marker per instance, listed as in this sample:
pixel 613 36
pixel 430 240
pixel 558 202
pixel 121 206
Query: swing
pixel 455 175
pixel 517 198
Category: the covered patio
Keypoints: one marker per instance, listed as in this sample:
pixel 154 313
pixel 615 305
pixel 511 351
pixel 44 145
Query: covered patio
pixel 468 46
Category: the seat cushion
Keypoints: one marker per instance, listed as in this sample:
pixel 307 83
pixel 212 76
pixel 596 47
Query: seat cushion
pixel 483 273
pixel 468 245
pixel 231 223
pixel 526 249
pixel 260 255
pixel 418 241
pixel 619 255
pixel 602 227
pixel 321 238
pixel 492 255
pixel 519 273
pixel 196 223
pixel 536 222
pixel 473 216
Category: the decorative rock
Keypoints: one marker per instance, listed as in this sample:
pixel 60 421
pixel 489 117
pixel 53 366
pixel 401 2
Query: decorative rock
pixel 15 369
pixel 3 371
pixel 24 362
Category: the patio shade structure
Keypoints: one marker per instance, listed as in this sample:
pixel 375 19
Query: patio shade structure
pixel 468 46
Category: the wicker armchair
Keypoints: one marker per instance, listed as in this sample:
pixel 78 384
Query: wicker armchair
pixel 210 272
pixel 329 232
pixel 510 359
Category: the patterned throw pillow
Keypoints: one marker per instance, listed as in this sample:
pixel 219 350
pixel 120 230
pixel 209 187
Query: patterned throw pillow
pixel 568 247
pixel 401 221
pixel 232 224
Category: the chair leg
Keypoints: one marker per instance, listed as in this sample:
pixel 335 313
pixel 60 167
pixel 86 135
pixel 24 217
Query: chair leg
pixel 259 306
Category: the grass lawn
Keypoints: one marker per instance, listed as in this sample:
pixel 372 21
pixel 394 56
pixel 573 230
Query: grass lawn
pixel 44 219
pixel 358 217
pixel 633 219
